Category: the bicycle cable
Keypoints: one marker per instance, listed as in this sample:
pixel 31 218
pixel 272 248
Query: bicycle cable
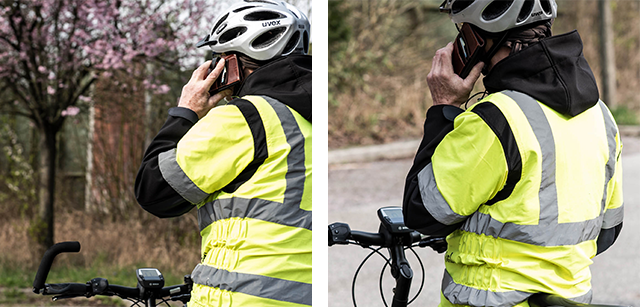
pixel 387 263
pixel 165 301
pixel 355 276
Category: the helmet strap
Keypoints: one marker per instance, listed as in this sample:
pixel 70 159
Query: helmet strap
pixel 492 51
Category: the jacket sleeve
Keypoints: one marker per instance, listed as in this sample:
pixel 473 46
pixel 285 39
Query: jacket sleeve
pixel 152 191
pixel 187 162
pixel 458 167
pixel 436 126
pixel 614 214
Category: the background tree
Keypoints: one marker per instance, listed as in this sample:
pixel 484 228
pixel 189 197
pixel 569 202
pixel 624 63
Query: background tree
pixel 51 52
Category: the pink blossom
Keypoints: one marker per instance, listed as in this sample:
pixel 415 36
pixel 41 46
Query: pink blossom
pixel 87 38
pixel 84 98
pixel 70 111
pixel 163 89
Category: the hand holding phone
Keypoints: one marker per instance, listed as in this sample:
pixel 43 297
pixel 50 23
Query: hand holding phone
pixel 468 49
pixel 195 95
pixel 230 76
pixel 445 86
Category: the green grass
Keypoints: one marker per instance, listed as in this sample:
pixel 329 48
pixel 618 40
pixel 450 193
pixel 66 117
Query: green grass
pixel 12 296
pixel 15 279
pixel 12 275
pixel 624 116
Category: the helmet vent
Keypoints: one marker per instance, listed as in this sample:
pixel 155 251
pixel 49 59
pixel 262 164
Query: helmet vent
pixel 460 5
pixel 292 43
pixel 527 7
pixel 305 42
pixel 546 6
pixel 231 34
pixel 260 1
pixel 268 38
pixel 224 26
pixel 243 8
pixel 263 15
pixel 220 22
pixel 496 9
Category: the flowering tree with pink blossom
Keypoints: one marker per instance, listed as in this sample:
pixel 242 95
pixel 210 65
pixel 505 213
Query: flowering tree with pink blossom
pixel 52 51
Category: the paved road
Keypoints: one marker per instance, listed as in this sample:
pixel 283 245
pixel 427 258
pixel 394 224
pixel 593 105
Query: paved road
pixel 357 190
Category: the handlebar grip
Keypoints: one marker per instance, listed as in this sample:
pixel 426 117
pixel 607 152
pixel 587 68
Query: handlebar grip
pixel 47 260
pixel 72 289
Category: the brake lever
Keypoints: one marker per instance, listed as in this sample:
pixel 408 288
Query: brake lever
pixel 438 244
pixel 185 298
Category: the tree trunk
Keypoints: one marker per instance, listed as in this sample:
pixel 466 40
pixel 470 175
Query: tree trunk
pixel 46 188
pixel 607 53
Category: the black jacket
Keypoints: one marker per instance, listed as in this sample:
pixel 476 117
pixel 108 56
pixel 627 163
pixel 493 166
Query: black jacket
pixel 287 79
pixel 553 71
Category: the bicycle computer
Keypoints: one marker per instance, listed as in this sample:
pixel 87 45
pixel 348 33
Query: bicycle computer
pixel 393 220
pixel 150 278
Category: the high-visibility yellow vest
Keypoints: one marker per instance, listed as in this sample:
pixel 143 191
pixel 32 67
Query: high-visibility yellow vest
pixel 534 188
pixel 247 166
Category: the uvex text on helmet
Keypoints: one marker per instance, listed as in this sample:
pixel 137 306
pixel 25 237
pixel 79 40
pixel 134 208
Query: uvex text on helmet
pixel 261 29
pixel 499 15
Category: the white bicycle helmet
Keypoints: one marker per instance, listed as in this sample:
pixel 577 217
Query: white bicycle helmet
pixel 260 29
pixel 499 15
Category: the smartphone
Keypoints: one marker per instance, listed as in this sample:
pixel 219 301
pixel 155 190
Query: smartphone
pixel 468 49
pixel 230 76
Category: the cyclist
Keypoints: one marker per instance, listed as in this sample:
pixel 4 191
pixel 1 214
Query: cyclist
pixel 246 165
pixel 527 182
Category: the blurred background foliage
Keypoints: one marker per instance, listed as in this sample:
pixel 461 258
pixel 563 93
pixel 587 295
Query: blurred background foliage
pixel 380 53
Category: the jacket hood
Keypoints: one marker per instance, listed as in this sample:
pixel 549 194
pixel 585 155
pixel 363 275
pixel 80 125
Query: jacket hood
pixel 553 71
pixel 287 79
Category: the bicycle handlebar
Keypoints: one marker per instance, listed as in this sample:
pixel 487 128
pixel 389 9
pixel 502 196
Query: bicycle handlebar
pixel 98 286
pixel 47 260
pixel 341 233
pixel 368 238
pixel 67 288
pixel 396 243
pixel 78 289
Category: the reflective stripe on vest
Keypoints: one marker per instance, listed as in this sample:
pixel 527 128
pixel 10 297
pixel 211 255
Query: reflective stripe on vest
pixel 177 179
pixel 282 213
pixel 260 209
pixel 286 213
pixel 464 295
pixel 256 285
pixel 548 232
pixel 548 225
